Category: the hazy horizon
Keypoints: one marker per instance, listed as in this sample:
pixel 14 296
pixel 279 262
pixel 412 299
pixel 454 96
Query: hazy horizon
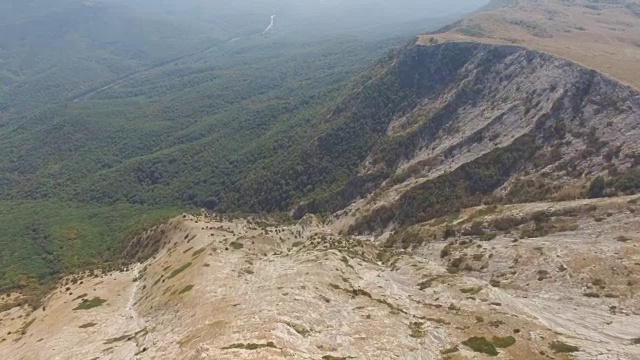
pixel 317 16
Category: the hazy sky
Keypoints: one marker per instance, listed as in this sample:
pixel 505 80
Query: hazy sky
pixel 330 15
pixel 42 22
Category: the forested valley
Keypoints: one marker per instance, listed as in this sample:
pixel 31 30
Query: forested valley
pixel 115 117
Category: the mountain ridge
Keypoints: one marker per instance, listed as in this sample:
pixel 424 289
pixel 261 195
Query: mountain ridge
pixel 448 201
pixel 483 102
pixel 600 35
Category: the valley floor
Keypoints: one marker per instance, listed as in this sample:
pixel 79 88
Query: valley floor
pixel 248 289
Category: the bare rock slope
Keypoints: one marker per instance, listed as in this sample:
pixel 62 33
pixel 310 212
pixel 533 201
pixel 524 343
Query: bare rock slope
pixel 473 122
pixel 246 289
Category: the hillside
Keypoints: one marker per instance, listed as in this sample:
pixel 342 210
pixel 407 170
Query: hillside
pixel 601 35
pixel 278 125
pixel 171 139
pixel 51 51
pixel 479 123
pixel 117 131
pixel 229 289
pixel 471 194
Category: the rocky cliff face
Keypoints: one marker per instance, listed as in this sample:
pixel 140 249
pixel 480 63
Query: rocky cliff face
pixel 472 123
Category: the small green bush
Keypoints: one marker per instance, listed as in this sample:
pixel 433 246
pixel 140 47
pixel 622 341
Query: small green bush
pixel 416 330
pixel 250 346
pixel 198 252
pixel 90 304
pixel 503 342
pixel 628 183
pixel 446 251
pixel 177 271
pixel 481 345
pixel 596 188
pixel 488 236
pixel 185 289
pixel 187 250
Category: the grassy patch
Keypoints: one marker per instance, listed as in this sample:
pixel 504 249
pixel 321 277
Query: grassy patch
pixel 90 304
pixel 166 290
pixel 177 271
pixel 481 345
pixel 87 325
pixel 198 252
pixel 561 347
pixel 185 289
pixel 473 30
pixel 250 346
pixel 503 342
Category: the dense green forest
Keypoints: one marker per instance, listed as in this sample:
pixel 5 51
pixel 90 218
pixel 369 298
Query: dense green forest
pixel 186 132
pixel 43 239
pixel 181 136
pixel 116 115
